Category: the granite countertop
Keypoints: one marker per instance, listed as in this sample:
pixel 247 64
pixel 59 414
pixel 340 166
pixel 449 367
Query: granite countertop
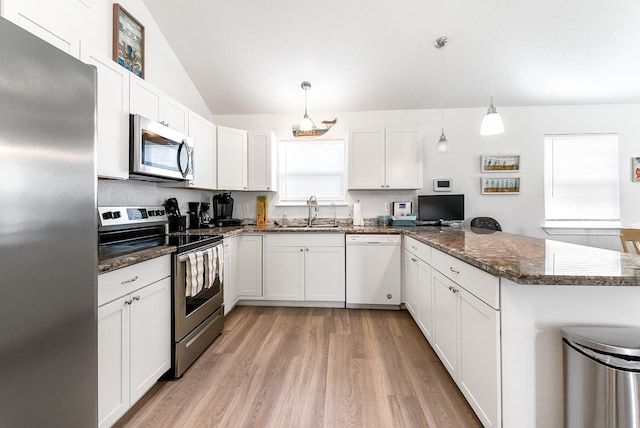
pixel 521 259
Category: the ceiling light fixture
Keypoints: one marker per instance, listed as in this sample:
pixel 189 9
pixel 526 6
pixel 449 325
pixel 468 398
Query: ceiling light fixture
pixel 492 122
pixel 443 144
pixel 306 124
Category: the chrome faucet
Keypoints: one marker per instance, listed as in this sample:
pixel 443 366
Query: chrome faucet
pixel 332 206
pixel 312 203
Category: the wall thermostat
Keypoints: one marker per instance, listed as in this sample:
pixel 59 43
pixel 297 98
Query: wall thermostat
pixel 442 185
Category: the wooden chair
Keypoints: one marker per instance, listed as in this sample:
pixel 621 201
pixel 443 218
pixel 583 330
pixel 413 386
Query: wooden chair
pixel 630 235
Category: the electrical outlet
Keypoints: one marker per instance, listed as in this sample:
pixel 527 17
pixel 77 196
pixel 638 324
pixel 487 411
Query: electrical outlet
pixel 386 207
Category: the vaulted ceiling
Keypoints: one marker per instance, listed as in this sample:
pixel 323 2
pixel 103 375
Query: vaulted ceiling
pixel 250 56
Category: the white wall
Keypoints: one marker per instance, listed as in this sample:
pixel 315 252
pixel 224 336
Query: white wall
pixel 91 22
pixel 525 128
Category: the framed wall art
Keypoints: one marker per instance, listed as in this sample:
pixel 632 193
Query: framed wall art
pixel 500 185
pixel 500 163
pixel 635 170
pixel 128 41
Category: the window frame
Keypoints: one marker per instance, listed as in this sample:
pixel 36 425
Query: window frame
pixel 565 225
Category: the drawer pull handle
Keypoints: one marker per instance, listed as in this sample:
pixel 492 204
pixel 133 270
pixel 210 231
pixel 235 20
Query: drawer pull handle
pixel 415 248
pixel 453 289
pixel 454 271
pixel 128 281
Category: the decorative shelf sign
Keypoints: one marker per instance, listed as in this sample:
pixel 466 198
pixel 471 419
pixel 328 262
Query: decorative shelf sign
pixel 500 163
pixel 128 41
pixel 499 185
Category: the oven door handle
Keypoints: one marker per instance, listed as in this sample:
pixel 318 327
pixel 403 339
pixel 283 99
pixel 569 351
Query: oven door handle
pixel 186 170
pixel 184 257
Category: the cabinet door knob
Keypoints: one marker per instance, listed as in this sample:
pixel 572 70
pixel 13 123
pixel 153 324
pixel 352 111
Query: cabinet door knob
pixel 389 296
pixel 301 249
pixel 136 297
pixel 306 249
pixel 128 302
pixel 414 260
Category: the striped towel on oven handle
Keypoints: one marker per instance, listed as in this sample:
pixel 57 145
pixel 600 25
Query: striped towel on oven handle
pixel 194 279
pixel 210 267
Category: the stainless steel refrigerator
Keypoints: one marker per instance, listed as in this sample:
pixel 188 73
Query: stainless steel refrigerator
pixel 48 233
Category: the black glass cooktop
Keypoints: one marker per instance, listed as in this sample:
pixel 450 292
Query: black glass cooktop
pixel 183 242
pixel 190 242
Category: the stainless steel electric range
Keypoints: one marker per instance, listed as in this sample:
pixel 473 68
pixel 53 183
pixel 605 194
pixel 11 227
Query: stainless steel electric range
pixel 197 274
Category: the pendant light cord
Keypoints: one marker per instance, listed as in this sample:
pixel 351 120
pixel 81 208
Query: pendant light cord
pixel 442 87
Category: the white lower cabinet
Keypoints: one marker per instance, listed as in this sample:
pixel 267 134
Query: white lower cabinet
pixel 134 334
pixel 305 267
pixel 466 332
pixel 229 283
pixel 249 272
pixel 418 285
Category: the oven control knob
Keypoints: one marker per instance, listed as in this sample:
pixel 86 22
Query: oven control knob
pixel 152 213
pixel 161 212
pixel 107 215
pixel 116 214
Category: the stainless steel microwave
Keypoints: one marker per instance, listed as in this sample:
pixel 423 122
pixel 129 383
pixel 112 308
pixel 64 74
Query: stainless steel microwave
pixel 157 152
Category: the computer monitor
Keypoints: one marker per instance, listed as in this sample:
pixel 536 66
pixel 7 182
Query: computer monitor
pixel 440 209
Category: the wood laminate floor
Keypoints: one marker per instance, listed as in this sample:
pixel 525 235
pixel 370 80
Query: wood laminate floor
pixel 310 367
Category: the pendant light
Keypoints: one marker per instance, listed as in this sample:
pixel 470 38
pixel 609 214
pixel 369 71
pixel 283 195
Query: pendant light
pixel 443 144
pixel 492 122
pixel 306 124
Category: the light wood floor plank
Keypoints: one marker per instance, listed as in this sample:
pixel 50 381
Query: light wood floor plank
pixel 310 367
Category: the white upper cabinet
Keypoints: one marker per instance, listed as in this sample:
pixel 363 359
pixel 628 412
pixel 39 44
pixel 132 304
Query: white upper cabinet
pixel 47 20
pixel 403 153
pixel 148 101
pixel 176 115
pixel 261 160
pixel 366 158
pixel 232 158
pixel 382 158
pixel 112 150
pixel 203 133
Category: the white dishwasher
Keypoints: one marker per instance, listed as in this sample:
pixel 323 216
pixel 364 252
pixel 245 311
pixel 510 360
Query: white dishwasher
pixel 373 271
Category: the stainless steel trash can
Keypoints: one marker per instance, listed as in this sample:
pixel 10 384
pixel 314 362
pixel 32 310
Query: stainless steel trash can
pixel 601 377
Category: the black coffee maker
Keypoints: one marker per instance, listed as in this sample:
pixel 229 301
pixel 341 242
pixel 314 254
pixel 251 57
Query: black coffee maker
pixel 223 210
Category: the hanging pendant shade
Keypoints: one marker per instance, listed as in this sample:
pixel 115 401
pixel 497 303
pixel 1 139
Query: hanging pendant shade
pixel 305 124
pixel 492 122
pixel 443 144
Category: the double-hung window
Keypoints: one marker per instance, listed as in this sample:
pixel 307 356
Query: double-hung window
pixel 312 167
pixel 581 181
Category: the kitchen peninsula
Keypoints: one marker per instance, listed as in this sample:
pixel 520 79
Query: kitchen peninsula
pixel 532 287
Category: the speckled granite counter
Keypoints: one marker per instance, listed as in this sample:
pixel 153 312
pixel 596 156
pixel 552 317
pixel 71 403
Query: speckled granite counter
pixel 113 263
pixel 521 259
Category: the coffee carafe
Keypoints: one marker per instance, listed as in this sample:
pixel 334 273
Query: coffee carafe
pixel 222 207
pixel 204 213
pixel 194 218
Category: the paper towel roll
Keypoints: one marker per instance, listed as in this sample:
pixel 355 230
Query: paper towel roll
pixel 357 215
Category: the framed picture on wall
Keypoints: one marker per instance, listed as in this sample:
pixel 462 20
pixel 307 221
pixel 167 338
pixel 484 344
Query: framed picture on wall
pixel 500 163
pixel 500 185
pixel 635 170
pixel 128 41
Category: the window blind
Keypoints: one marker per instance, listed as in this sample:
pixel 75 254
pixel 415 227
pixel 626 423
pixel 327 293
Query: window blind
pixel 312 168
pixel 581 178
